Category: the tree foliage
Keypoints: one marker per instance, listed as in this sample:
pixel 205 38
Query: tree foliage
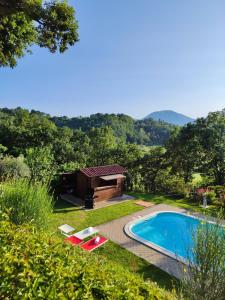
pixel 26 22
pixel 200 147
pixel 41 164
pixel 109 139
pixel 126 129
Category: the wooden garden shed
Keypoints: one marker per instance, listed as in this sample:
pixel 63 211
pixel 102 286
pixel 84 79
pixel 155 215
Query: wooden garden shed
pixel 101 183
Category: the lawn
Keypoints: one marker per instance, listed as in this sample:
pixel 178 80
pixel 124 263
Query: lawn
pixel 135 264
pixel 65 213
pixel 212 210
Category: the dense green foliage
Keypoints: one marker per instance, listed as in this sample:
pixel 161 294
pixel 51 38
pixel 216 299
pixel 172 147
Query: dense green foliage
pixel 207 272
pixel 200 147
pixel 41 164
pixel 25 22
pixel 144 132
pixel 36 266
pixel 50 147
pixel 26 202
pixel 13 168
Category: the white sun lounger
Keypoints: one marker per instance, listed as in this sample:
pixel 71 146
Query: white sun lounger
pixel 65 229
pixel 83 234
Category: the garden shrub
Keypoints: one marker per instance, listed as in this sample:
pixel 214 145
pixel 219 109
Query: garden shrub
pixel 13 168
pixel 26 202
pixel 37 266
pixel 219 191
pixel 170 184
pixel 206 274
pixel 3 149
pixel 210 196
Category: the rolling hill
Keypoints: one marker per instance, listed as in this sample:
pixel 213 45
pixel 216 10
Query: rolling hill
pixel 170 116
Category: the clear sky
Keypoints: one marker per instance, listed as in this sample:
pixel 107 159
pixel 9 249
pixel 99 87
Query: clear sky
pixel 134 57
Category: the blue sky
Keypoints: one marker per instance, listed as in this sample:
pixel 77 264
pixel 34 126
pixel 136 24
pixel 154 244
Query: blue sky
pixel 134 57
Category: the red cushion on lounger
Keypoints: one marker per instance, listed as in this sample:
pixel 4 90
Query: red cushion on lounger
pixel 91 244
pixel 73 240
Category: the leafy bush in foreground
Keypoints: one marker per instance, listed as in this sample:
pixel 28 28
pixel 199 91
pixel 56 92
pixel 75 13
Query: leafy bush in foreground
pixel 26 202
pixel 36 266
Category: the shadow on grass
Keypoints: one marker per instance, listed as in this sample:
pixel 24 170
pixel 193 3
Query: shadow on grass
pixel 62 206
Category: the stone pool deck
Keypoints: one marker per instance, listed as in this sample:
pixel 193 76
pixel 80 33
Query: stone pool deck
pixel 114 230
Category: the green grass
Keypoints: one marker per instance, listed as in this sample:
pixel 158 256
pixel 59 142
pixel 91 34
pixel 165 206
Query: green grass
pixel 65 213
pixel 135 264
pixel 183 203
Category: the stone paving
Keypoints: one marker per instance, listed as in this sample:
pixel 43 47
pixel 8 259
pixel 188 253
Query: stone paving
pixel 114 230
pixel 144 203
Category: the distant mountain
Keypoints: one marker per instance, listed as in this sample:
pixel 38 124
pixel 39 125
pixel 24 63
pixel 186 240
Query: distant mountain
pixel 170 116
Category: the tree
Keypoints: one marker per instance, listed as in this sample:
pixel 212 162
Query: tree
pixel 26 22
pixel 200 147
pixel 150 165
pixel 20 130
pixel 41 164
pixel 102 140
pixel 185 152
pixel 212 137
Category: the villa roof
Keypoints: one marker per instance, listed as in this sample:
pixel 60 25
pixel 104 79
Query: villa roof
pixel 103 170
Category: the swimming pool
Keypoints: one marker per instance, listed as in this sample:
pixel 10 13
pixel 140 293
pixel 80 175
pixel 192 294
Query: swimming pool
pixel 168 232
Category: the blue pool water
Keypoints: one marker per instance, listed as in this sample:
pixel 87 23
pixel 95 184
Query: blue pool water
pixel 171 231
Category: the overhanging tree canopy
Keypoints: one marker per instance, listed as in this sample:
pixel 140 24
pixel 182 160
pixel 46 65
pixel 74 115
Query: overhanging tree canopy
pixel 49 24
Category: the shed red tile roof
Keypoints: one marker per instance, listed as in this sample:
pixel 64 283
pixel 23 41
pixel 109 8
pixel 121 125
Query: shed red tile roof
pixel 201 190
pixel 103 170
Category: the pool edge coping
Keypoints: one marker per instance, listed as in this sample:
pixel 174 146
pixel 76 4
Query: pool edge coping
pixel 179 259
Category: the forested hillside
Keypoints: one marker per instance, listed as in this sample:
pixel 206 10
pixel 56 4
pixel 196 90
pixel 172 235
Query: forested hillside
pixel 107 139
pixel 144 132
pixel 124 128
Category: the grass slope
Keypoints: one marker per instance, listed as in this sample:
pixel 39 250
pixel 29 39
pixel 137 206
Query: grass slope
pixel 65 213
